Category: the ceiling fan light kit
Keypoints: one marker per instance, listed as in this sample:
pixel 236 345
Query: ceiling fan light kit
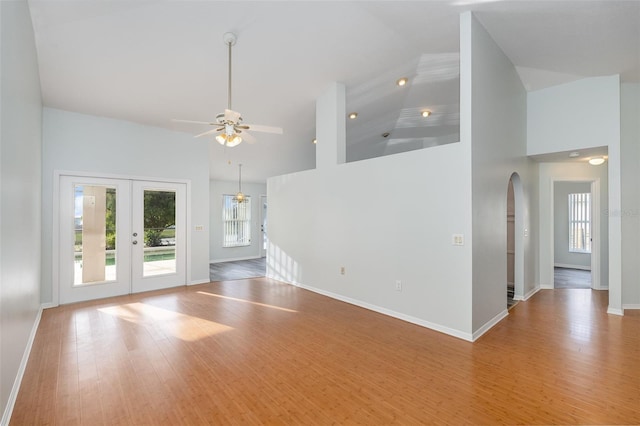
pixel 229 124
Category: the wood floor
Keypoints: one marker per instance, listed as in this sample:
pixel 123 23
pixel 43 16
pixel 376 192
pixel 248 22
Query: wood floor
pixel 261 352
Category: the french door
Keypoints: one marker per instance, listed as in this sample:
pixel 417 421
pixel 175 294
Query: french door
pixel 120 236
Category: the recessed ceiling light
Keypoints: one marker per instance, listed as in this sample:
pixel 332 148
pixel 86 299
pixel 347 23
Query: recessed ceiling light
pixel 353 115
pixel 315 140
pixel 402 81
pixel 596 161
pixel 574 154
pixel 425 114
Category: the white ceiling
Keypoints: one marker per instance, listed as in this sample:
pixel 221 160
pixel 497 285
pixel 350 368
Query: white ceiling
pixel 151 61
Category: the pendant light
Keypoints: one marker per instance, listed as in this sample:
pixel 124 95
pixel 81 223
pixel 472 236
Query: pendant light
pixel 240 197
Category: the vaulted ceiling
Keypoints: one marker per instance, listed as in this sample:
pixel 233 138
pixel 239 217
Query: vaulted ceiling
pixel 151 61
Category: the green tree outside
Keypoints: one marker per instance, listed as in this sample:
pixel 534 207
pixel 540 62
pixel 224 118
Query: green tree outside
pixel 159 213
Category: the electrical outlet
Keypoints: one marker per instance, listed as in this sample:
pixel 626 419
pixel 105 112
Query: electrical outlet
pixel 457 239
pixel 342 270
pixel 398 285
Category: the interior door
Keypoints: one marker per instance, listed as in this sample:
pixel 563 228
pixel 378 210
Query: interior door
pixel 158 235
pixel 94 248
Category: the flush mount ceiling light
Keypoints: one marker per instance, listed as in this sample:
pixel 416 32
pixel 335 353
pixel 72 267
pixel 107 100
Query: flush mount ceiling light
pixel 596 161
pixel 353 115
pixel 402 81
pixel 426 113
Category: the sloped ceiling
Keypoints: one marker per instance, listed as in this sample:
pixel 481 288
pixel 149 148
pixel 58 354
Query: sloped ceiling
pixel 151 61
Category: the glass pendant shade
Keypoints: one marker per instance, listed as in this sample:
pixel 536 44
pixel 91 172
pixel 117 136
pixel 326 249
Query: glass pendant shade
pixel 229 140
pixel 240 197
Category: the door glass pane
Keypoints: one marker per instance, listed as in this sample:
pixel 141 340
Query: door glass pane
pixel 159 232
pixel 95 234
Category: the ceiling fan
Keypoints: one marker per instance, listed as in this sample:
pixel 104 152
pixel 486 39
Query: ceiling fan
pixel 229 126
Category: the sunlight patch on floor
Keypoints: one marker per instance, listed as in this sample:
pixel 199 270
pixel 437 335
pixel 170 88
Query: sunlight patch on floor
pixel 179 325
pixel 247 301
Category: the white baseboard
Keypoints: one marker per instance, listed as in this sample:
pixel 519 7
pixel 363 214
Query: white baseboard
pixel 565 265
pixel 614 311
pixel 631 306
pixel 487 326
pixel 6 416
pixel 529 294
pixel 49 305
pixel 196 282
pixel 546 287
pixel 408 318
pixel 234 259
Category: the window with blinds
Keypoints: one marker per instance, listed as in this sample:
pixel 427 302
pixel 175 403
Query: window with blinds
pixel 580 223
pixel 236 221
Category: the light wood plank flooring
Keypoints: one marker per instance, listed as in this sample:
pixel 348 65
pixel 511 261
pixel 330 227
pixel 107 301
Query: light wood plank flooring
pixel 261 352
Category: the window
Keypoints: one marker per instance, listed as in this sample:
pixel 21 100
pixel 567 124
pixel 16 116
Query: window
pixel 580 223
pixel 236 221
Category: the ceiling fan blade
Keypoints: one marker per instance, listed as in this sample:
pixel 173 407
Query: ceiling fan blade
pixel 248 137
pixel 265 129
pixel 194 122
pixel 208 132
pixel 231 115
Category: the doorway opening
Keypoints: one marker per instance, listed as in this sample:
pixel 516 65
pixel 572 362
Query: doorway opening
pixel 511 245
pixel 516 233
pixel 573 234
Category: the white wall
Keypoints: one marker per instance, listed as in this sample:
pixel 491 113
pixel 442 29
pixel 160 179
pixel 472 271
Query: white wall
pixel 583 114
pixel 580 114
pixel 20 155
pixel 384 219
pixel 498 146
pixel 630 212
pixel 562 257
pixel 85 143
pixel 550 173
pixel 216 251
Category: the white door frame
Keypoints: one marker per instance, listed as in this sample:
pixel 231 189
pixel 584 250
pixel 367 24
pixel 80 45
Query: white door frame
pixel 263 250
pixel 595 230
pixel 55 214
pixel 520 232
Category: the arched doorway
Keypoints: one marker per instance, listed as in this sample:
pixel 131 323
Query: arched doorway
pixel 515 241
pixel 511 245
